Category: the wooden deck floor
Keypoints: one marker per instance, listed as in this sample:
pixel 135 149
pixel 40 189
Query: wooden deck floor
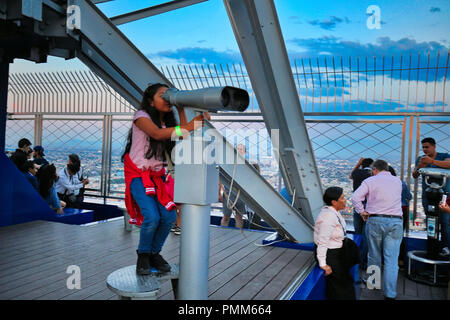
pixel 406 290
pixel 34 258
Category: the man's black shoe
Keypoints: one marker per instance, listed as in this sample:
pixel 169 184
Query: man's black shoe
pixel 158 262
pixel 387 298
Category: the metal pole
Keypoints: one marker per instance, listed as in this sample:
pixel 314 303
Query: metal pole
pixel 410 141
pixel 38 119
pixel 4 73
pixel 402 163
pixel 195 217
pixel 416 181
pixel 194 252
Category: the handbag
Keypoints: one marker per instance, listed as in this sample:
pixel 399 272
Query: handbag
pixel 350 250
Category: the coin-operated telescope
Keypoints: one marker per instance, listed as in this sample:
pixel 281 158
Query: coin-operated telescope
pixel 435 181
pixel 209 99
pixel 197 197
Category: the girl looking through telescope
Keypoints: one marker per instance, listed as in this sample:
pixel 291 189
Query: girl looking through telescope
pixel 147 201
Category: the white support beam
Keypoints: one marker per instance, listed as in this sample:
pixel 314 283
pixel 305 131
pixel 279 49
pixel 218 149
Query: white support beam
pixel 100 1
pixel 258 34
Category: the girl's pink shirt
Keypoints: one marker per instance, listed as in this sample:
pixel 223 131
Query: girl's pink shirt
pixel 139 147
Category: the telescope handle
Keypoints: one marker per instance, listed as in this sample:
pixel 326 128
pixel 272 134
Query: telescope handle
pixel 444 181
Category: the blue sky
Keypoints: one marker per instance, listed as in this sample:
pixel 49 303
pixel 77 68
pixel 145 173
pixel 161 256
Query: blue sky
pixel 202 33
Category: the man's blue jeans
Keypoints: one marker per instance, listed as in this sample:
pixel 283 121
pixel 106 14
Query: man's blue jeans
pixel 384 236
pixel 157 220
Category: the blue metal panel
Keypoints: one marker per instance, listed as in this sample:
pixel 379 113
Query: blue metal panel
pixel 20 201
pixel 4 72
pixel 74 216
pixel 313 287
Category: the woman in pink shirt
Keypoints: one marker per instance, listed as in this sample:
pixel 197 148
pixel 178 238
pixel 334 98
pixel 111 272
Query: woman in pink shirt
pixel 329 234
pixel 149 140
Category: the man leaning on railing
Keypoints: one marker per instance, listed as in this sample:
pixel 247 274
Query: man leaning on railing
pixel 433 159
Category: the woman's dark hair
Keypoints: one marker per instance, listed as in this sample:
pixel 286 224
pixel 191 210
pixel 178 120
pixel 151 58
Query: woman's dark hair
pixel 46 176
pixel 332 193
pixel 75 166
pixel 367 162
pixel 392 171
pixel 156 148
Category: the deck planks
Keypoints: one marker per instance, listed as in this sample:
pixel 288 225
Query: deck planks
pixel 35 257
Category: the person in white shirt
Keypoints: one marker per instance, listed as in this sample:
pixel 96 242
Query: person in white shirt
pixel 70 182
pixel 329 234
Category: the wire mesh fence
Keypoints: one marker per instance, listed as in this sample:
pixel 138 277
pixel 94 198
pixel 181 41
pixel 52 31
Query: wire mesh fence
pixel 406 83
pixel 120 129
pixel 61 138
pixel 337 144
pixel 16 130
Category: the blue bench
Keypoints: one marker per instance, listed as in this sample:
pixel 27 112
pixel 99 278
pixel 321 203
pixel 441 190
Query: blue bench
pixel 74 216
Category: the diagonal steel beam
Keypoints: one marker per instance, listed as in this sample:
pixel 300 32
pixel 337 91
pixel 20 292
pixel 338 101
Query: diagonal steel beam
pixel 100 1
pixel 258 34
pixel 153 11
pixel 110 54
pixel 260 196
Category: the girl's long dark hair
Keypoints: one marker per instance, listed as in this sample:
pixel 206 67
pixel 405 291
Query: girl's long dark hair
pixel 46 177
pixel 156 148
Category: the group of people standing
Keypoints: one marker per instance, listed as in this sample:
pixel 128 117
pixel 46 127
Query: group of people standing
pixel 60 189
pixel 381 214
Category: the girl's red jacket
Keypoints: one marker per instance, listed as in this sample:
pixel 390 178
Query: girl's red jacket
pixel 153 184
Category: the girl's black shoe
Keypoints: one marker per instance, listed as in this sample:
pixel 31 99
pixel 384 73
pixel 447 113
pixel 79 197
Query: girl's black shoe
pixel 158 262
pixel 143 264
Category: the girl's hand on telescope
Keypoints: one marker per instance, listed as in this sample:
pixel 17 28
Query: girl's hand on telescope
pixel 196 122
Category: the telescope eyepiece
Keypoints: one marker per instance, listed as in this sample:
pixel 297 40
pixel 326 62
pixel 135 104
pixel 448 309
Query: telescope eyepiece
pixel 225 97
